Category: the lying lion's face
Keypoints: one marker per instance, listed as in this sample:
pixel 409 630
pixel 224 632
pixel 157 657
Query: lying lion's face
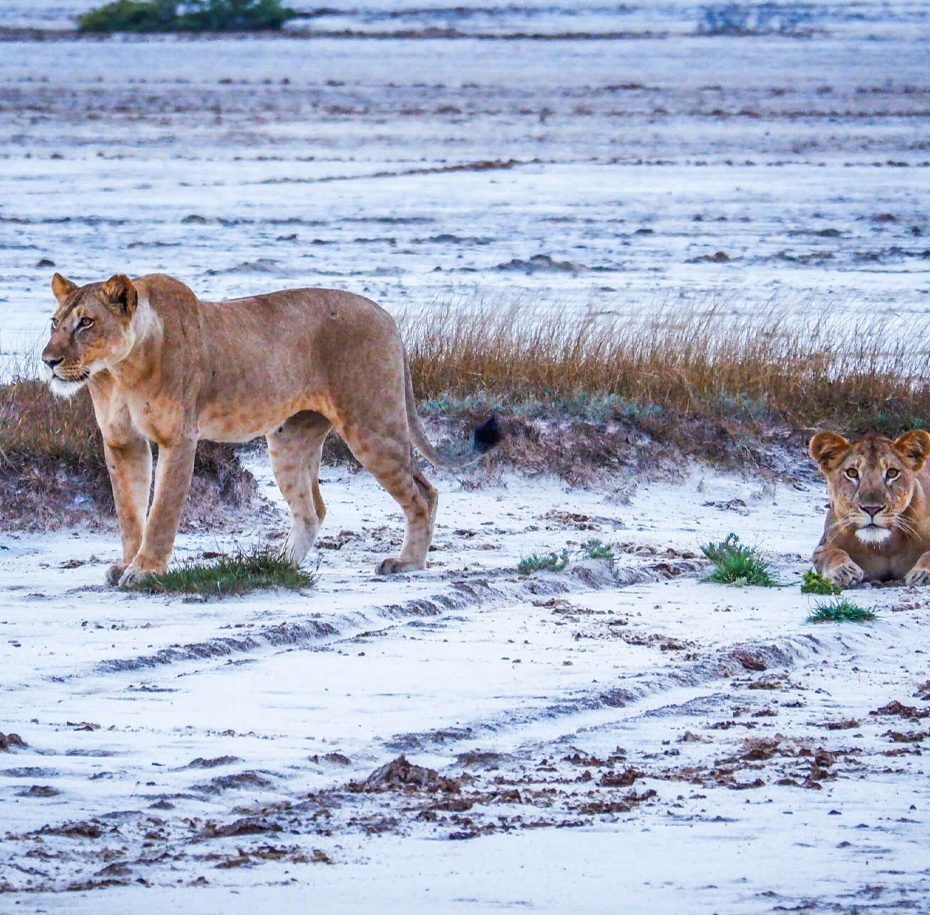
pixel 91 331
pixel 871 481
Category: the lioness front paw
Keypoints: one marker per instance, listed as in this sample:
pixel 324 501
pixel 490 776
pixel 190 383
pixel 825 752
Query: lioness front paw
pixel 115 573
pixel 133 576
pixel 918 576
pixel 394 566
pixel 846 574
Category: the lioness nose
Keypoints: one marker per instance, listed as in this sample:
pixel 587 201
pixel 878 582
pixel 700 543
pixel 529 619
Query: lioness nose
pixel 51 363
pixel 871 510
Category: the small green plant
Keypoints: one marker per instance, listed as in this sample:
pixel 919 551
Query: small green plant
pixel 597 549
pixel 815 584
pixel 239 573
pixel 840 611
pixel 737 564
pixel 186 16
pixel 549 562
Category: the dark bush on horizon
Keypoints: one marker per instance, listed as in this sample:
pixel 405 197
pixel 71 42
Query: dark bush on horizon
pixel 186 16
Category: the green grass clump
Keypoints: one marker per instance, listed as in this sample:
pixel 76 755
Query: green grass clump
pixel 550 562
pixel 597 549
pixel 737 564
pixel 186 16
pixel 815 584
pixel 840 611
pixel 239 573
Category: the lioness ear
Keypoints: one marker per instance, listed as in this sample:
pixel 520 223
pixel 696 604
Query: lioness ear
pixel 828 449
pixel 914 447
pixel 119 292
pixel 62 288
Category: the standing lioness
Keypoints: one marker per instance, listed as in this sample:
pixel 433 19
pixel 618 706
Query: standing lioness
pixel 164 367
pixel 878 526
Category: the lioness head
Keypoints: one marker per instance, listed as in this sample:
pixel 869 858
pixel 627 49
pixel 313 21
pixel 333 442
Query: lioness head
pixel 871 481
pixel 91 331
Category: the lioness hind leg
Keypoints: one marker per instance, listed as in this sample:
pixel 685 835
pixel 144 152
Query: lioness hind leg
pixel 389 459
pixel 295 449
pixel 419 502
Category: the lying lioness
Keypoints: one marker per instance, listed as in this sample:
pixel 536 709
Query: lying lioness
pixel 878 525
pixel 164 367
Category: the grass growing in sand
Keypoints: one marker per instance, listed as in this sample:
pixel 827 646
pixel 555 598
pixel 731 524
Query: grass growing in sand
pixel 247 570
pixel 547 562
pixel 737 564
pixel 558 561
pixel 597 549
pixel 814 584
pixel 840 611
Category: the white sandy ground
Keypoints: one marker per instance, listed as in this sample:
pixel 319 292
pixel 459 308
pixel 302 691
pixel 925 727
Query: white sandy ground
pixel 525 689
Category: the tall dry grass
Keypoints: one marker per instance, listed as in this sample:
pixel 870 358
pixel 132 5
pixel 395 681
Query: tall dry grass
pixel 33 424
pixel 761 368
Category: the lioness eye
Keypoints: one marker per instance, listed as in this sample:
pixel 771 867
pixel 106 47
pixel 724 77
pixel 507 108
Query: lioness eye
pixel 86 322
pixel 852 473
pixel 891 473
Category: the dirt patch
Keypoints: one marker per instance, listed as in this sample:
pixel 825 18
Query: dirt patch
pixel 234 782
pixel 900 710
pixel 402 775
pixel 247 826
pixel 11 740
pixel 38 791
pixel 650 446
pixel 76 830
pixel 201 763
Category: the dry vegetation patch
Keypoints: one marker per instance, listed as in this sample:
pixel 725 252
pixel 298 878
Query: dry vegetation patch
pixel 603 391
pixel 53 472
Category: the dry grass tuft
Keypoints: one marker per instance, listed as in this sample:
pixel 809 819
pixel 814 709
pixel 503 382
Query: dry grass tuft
pixel 712 366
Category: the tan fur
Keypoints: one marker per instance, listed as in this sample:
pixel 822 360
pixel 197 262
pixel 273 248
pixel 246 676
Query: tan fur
pixel 878 524
pixel 164 367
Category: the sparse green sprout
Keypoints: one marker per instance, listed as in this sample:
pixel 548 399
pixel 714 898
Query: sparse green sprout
pixel 815 584
pixel 239 573
pixel 840 611
pixel 737 564
pixel 597 549
pixel 550 562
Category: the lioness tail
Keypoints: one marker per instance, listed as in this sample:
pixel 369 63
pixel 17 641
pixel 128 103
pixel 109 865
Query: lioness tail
pixel 485 437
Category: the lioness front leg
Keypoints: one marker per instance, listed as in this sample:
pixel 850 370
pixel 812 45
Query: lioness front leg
pixel 172 484
pixel 920 571
pixel 836 565
pixel 130 467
